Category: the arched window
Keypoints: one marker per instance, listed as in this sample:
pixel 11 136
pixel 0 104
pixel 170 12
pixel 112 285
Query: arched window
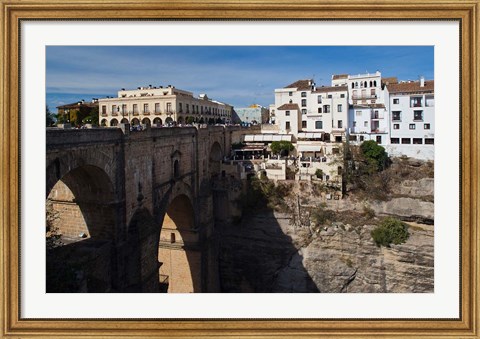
pixel 356 84
pixel 365 85
pixel 375 83
pixel 176 169
pixel 353 85
pixel 371 83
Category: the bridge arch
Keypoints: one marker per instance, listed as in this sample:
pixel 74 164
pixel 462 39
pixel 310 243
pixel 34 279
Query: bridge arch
pixel 179 252
pixel 80 211
pixel 215 158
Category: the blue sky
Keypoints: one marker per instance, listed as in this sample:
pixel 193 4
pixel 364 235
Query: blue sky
pixel 240 75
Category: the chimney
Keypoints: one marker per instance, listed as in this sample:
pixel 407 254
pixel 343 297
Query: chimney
pixel 422 81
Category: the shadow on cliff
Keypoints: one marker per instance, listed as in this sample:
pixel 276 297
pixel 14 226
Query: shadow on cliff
pixel 255 253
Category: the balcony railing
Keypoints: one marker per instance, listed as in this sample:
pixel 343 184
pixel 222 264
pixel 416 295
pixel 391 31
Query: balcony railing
pixel 364 97
pixel 376 116
pixel 146 112
pixel 114 114
pixel 378 130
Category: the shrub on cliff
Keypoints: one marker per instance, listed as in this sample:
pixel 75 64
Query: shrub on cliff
pixel 390 231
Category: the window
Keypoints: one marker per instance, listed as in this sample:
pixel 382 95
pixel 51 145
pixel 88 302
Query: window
pixel 340 124
pixel 304 111
pixel 169 107
pixel 394 140
pixel 114 108
pixel 362 138
pixel 318 124
pixel 411 126
pixel 379 139
pixel 417 141
pixel 104 109
pixel 405 141
pixel 342 95
pixel 365 124
pixel 145 108
pixel 304 102
pixel 290 93
pixel 396 101
pixel 187 108
pixel 287 113
pixel 304 124
pixel 396 115
pixel 124 108
pixel 418 115
pixel 372 92
pixel 304 94
pixel 428 141
pixel 415 101
pixel 326 108
pixel 329 96
pixel 354 94
pixel 396 126
pixel 339 108
pixel 319 110
pixel 319 99
pixel 358 113
pixel 157 107
pixel 429 101
pixel 426 126
pixel 180 107
pixel 287 125
pixel 354 124
pixel 135 108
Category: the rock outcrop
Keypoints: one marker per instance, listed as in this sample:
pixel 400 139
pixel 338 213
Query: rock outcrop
pixel 267 254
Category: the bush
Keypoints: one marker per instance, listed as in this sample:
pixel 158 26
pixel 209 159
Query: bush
pixel 319 173
pixel 374 154
pixel 281 147
pixel 390 231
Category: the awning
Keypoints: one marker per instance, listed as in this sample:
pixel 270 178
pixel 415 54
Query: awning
pixel 309 135
pixel 309 148
pixel 266 137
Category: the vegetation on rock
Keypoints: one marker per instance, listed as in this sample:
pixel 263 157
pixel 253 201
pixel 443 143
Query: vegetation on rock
pixel 390 231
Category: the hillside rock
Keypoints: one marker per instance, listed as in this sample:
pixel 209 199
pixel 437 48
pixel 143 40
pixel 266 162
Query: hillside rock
pixel 267 254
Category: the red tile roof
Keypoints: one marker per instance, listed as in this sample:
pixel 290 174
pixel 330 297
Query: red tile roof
pixel 301 84
pixel 79 104
pixel 390 80
pixel 332 89
pixel 411 87
pixel 339 76
pixel 288 107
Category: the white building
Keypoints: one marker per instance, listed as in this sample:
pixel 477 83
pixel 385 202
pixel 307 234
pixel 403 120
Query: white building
pixel 412 118
pixel 161 105
pixel 397 115
pixel 301 108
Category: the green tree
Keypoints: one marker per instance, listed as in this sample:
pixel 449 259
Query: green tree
pixel 281 147
pixel 92 118
pixel 390 231
pixel 374 154
pixel 50 117
pixel 190 120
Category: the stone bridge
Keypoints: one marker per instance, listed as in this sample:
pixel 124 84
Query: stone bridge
pixel 135 209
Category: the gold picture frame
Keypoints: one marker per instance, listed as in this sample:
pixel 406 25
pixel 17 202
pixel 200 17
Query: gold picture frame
pixel 466 12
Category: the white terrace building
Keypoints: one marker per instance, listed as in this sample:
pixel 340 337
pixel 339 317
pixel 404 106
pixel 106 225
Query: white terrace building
pixel 303 108
pixel 412 118
pixel 161 105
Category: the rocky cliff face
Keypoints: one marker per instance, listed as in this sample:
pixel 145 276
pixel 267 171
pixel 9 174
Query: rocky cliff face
pixel 267 253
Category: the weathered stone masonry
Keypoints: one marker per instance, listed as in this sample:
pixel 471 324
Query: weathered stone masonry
pixel 112 191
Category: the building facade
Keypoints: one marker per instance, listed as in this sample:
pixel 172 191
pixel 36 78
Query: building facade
pixel 162 106
pixel 302 107
pixel 397 115
pixel 254 114
pixel 75 113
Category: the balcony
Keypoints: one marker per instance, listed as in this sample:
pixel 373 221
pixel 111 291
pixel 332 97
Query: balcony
pixel 376 116
pixel 146 112
pixel 378 130
pixel 158 112
pixel 364 97
pixel 114 114
pixel 135 113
